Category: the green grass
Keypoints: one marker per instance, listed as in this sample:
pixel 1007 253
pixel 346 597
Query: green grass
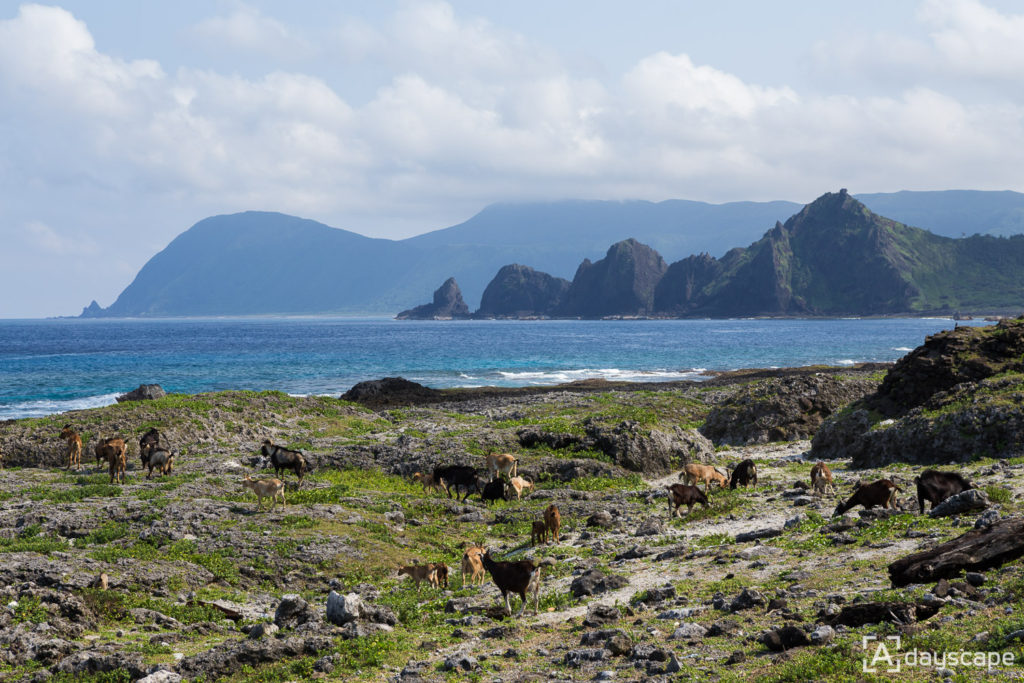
pixel 31 540
pixel 113 606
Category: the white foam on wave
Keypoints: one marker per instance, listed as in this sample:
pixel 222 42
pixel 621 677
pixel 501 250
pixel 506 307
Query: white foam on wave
pixel 846 361
pixel 44 407
pixel 613 374
pixel 904 349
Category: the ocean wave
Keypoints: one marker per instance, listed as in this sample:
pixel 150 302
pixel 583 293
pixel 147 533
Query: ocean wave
pixel 612 374
pixel 846 361
pixel 44 407
pixel 902 349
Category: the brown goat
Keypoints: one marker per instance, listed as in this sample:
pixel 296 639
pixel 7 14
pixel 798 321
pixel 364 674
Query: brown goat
pixel 553 521
pixel 880 493
pixel 520 484
pixel 440 570
pixel 473 565
pixel 695 473
pixel 427 481
pixel 74 446
pixel 421 572
pixel 684 494
pixel 265 488
pixel 503 463
pixel 821 478
pixel 539 532
pixel 114 452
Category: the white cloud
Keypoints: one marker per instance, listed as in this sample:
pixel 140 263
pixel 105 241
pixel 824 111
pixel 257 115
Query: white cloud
pixel 246 28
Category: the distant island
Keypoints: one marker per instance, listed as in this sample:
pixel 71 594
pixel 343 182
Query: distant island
pixel 264 263
pixel 833 258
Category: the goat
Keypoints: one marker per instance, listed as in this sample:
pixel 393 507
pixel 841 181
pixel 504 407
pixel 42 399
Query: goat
pixel 521 577
pixel 520 484
pixel 503 463
pixel 821 478
pixel 427 480
pixel 74 446
pixel 495 489
pixel 553 521
pixel 421 572
pixel 265 488
pixel 473 565
pixel 684 494
pixel 1 460
pixel 148 442
pixel 440 570
pixel 160 459
pixel 282 458
pixel 881 492
pixel 539 532
pixel 706 473
pixel 744 474
pixel 113 450
pixel 934 486
pixel 454 476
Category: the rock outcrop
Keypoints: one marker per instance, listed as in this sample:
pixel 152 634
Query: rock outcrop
pixel 520 292
pixel 783 409
pixel 447 305
pixel 958 397
pixel 622 283
pixel 145 392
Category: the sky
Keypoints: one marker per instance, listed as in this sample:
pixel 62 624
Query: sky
pixel 122 123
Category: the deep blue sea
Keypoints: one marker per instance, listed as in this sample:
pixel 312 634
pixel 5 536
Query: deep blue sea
pixel 50 366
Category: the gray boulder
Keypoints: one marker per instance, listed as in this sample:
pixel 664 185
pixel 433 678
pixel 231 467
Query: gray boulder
pixel 965 501
pixel 145 392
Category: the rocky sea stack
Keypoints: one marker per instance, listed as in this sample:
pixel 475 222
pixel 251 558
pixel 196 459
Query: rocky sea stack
pixel 447 305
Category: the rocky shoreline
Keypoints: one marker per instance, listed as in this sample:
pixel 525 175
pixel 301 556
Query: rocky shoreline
pixel 181 578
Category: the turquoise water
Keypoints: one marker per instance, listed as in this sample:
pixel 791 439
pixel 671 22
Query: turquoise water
pixel 49 366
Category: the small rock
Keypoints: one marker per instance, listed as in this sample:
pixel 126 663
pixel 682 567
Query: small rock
pixel 689 631
pixel 975 578
pixel 823 635
pixel 598 615
pixel 784 638
pixel 747 599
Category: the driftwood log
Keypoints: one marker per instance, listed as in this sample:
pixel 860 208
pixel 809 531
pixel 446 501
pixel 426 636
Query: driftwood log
pixel 976 550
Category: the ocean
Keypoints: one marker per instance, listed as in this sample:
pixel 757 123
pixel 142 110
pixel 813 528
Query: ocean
pixel 52 366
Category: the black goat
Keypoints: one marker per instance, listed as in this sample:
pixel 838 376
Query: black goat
pixel 284 459
pixel 520 577
pixel 495 489
pixel 454 476
pixel 148 443
pixel 160 459
pixel 744 474
pixel 935 487
pixel 881 492
pixel 684 494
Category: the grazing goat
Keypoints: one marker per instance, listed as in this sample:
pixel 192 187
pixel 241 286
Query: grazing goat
pixel 265 488
pixel 427 480
pixel 148 442
pixel 473 565
pixel 706 473
pixel 553 521
pixel 503 463
pixel 421 572
pixel 496 489
pixel 521 577
pixel 539 532
pixel 454 476
pixel 282 458
pixel 160 459
pixel 821 478
pixel 744 474
pixel 1 460
pixel 520 484
pixel 684 494
pixel 881 492
pixel 934 486
pixel 74 446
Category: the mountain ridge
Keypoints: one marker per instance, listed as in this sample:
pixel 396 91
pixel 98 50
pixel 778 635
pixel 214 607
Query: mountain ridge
pixel 269 263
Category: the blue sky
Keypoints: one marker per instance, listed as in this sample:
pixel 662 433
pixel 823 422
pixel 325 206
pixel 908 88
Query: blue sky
pixel 122 123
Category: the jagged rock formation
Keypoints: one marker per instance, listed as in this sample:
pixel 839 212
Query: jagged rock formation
pixel 783 409
pixel 622 283
pixel 958 397
pixel 520 291
pixel 448 304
